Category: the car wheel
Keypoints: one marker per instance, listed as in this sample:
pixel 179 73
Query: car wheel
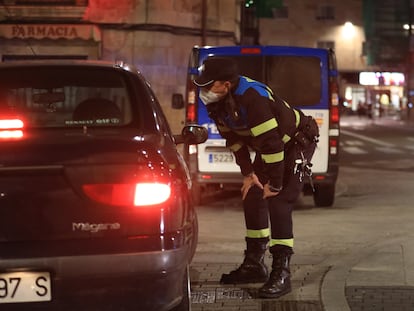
pixel 324 195
pixel 185 304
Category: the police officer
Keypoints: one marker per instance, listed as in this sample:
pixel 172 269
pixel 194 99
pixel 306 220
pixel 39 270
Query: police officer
pixel 250 116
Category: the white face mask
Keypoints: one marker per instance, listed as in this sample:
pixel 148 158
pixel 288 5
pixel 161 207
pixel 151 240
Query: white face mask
pixel 209 97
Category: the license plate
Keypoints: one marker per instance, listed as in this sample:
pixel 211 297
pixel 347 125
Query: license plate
pixel 25 287
pixel 220 157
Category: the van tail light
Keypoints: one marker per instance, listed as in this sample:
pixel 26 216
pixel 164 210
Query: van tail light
pixel 250 50
pixel 11 128
pixel 191 111
pixel 334 116
pixel 334 103
pixel 134 194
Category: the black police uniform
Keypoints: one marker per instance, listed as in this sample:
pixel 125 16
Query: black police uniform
pixel 251 117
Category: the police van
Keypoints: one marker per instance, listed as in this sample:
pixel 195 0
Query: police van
pixel 306 78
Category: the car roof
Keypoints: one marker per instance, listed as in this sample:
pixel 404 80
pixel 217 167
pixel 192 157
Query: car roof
pixel 70 62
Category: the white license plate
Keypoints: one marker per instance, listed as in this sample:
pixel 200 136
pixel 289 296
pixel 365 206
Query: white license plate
pixel 25 287
pixel 220 157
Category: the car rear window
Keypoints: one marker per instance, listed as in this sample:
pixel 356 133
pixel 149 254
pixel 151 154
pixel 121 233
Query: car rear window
pixel 65 96
pixel 296 79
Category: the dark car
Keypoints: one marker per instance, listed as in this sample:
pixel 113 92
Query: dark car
pixel 95 204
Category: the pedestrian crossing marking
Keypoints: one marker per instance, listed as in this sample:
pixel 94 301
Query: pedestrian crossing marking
pixel 368 139
pixel 390 150
pixel 354 150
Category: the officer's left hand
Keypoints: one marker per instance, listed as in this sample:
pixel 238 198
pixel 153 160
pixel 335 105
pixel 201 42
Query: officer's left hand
pixel 248 182
pixel 267 193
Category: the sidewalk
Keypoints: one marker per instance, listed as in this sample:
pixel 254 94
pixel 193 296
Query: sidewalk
pixel 380 278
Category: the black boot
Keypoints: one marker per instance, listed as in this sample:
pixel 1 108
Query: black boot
pixel 253 268
pixel 278 283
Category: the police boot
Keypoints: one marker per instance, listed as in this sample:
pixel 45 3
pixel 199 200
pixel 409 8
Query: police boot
pixel 278 283
pixel 253 268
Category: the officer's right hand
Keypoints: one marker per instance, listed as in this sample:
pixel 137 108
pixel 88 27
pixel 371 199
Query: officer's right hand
pixel 248 182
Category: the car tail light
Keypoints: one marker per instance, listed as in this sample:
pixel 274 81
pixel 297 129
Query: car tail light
pixel 11 128
pixel 137 194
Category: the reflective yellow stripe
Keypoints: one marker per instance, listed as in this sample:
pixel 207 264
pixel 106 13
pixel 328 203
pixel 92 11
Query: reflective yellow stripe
pixel 274 157
pixel 270 94
pixel 235 147
pixel 262 233
pixel 264 127
pixel 286 138
pixel 286 104
pixel 286 242
pixel 223 128
pixel 297 116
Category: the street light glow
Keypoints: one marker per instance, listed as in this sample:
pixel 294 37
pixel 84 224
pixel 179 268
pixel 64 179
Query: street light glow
pixel 348 30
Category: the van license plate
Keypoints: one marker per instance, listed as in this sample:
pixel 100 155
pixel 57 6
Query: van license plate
pixel 220 157
pixel 25 287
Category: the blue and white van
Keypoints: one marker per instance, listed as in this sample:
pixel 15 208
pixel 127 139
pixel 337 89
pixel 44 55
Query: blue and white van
pixel 306 78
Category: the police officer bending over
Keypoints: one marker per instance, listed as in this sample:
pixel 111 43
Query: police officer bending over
pixel 249 115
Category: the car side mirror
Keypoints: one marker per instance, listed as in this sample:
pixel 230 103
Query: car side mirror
pixel 177 101
pixel 192 134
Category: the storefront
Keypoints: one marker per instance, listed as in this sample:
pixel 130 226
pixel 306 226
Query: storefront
pixel 39 41
pixel 377 94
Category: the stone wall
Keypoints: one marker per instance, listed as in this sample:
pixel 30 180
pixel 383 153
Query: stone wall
pixel 157 36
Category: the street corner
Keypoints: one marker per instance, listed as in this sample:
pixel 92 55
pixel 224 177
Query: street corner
pixel 209 294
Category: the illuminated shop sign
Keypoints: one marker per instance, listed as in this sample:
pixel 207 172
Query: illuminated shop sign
pixel 50 31
pixel 48 2
pixel 381 78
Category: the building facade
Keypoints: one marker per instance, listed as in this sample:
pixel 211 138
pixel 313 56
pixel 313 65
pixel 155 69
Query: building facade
pixel 157 35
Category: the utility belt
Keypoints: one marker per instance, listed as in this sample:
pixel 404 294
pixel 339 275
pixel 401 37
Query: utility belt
pixel 306 136
pixel 308 132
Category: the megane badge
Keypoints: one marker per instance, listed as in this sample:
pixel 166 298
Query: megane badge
pixel 94 228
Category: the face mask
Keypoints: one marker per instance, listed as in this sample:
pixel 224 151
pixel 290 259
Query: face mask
pixel 209 97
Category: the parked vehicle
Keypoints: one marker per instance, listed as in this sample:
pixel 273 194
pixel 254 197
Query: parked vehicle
pixel 306 78
pixel 95 200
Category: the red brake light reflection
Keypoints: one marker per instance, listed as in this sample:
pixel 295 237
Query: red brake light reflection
pixel 11 128
pixel 151 193
pixel 11 124
pixel 139 194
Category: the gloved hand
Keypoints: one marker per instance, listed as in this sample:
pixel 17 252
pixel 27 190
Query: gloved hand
pixel 269 192
pixel 248 182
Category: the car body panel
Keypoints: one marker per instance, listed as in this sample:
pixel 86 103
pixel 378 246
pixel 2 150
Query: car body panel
pixel 51 222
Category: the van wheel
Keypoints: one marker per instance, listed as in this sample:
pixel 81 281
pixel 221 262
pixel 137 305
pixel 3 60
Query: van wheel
pixel 324 195
pixel 185 304
pixel 196 193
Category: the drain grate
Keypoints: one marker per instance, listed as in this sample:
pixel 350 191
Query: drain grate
pixel 245 299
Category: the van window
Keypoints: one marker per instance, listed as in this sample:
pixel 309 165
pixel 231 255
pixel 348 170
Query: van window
pixel 296 79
